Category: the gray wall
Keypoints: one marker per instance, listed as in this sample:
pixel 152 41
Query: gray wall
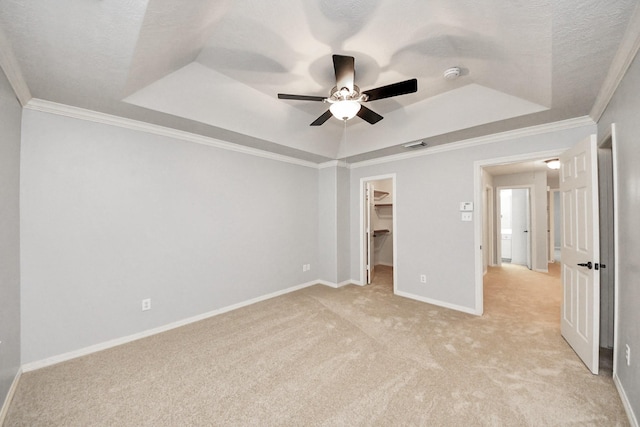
pixel 10 119
pixel 342 225
pixel 431 239
pixel 624 111
pixel 333 225
pixel 327 222
pixel 111 216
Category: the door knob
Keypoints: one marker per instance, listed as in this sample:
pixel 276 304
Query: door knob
pixel 586 264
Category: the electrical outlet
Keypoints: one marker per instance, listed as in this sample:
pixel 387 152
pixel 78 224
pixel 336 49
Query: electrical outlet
pixel 423 278
pixel 306 267
pixel 146 304
pixel 627 354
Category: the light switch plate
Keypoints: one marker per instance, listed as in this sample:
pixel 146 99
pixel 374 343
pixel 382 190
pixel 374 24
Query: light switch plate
pixel 466 206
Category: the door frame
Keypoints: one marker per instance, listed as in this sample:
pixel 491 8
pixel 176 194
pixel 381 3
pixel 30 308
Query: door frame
pixel 531 222
pixel 394 233
pixel 611 134
pixel 551 245
pixel 478 186
pixel 488 228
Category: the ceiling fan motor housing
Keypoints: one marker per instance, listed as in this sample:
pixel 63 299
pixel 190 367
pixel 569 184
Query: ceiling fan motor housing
pixel 344 94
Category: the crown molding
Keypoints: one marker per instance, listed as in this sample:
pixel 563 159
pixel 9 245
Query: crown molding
pixel 108 119
pixel 483 140
pixel 9 64
pixel 627 51
pixel 333 163
pixel 41 105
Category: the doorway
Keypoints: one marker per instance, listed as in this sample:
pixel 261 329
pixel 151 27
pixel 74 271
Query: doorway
pixel 606 194
pixel 555 225
pixel 515 225
pixel 608 237
pixel 378 224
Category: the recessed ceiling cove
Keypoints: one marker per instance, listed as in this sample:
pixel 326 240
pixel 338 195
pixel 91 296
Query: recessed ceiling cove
pixel 216 67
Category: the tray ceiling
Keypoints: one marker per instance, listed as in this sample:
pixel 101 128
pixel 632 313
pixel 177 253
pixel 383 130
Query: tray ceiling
pixel 215 67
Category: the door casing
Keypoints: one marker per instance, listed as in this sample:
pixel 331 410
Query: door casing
pixel 363 243
pixel 478 223
pixel 531 248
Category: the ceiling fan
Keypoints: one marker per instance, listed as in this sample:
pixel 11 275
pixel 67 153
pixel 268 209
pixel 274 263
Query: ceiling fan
pixel 346 98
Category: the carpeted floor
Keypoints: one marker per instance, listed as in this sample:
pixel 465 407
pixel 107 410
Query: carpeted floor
pixel 349 356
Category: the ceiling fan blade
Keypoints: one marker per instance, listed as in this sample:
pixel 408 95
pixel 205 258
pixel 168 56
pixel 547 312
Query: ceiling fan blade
pixel 345 71
pixel 323 118
pixel 395 89
pixel 369 115
pixel 300 97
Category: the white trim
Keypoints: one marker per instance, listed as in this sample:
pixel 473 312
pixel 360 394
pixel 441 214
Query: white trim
pixel 11 68
pixel 633 420
pixel 123 340
pixel 552 224
pixel 439 303
pixel 334 285
pixel 488 139
pixel 7 401
pixel 477 197
pixel 625 54
pixel 363 264
pixel 616 247
pixel 532 223
pixel 478 189
pixel 487 249
pixel 136 125
pixel 333 163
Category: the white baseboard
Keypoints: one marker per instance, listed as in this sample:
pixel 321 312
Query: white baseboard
pixel 334 285
pixel 438 303
pixel 123 340
pixel 7 401
pixel 633 420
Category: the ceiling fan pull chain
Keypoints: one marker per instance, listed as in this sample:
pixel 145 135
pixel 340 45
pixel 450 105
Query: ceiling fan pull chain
pixel 345 132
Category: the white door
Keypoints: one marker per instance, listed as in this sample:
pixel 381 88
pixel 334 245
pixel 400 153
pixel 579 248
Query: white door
pixel 370 206
pixel 528 232
pixel 580 317
pixel 521 226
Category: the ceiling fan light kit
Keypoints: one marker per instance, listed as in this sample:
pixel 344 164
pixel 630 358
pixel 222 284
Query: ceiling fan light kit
pixel 346 99
pixel 345 110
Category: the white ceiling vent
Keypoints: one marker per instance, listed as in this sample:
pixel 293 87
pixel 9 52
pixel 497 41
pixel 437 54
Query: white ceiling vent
pixel 415 144
pixel 452 73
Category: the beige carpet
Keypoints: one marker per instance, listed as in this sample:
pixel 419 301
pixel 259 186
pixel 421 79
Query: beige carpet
pixel 349 356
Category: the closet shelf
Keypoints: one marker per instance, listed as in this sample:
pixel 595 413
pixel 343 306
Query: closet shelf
pixel 383 204
pixel 377 233
pixel 378 193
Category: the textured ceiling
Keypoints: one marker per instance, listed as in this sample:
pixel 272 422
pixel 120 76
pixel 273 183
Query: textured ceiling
pixel 215 67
